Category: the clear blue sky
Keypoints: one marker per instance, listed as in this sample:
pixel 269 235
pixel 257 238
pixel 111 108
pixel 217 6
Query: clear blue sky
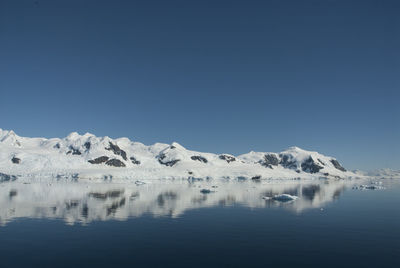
pixel 219 76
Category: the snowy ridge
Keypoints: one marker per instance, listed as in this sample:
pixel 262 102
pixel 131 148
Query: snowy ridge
pixel 87 156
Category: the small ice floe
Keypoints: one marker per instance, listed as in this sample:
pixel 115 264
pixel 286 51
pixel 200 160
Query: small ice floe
pixel 284 197
pixel 371 186
pixel 139 182
pixel 206 191
pixel 266 198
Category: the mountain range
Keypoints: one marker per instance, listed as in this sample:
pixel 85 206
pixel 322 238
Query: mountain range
pixel 88 156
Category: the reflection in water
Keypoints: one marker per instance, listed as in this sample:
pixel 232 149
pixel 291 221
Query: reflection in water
pixel 86 202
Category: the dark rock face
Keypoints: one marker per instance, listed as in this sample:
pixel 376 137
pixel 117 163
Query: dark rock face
pixel 6 177
pixel 287 161
pixel 269 160
pixel 74 151
pixel 134 160
pixel 256 178
pixel 199 158
pixel 57 146
pixel 171 163
pixel 227 158
pixel 16 160
pixel 116 150
pixel 87 145
pixel 99 160
pixel 322 163
pixel 115 163
pixel 337 165
pixel 310 166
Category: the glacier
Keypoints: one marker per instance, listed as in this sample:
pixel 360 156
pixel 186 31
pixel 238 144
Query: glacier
pixel 90 158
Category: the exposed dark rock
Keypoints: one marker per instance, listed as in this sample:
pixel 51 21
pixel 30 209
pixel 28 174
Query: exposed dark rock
pixel 169 163
pixel 161 156
pixel 16 160
pixel 199 158
pixel 190 172
pixel 99 160
pixel 269 160
pixel 227 158
pixel 337 165
pixel 87 145
pixel 74 151
pixel 115 163
pixel 116 150
pixel 310 166
pixel 287 161
pixel 172 147
pixel 256 177
pixel 57 146
pixel 319 160
pixel 134 160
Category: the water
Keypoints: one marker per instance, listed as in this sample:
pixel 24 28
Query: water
pixel 173 224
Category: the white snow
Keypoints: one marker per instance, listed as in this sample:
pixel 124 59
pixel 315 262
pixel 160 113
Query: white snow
pixel 69 156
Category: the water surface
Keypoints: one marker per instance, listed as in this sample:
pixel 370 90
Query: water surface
pixel 174 224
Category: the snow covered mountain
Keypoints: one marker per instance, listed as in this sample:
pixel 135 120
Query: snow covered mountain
pixel 87 157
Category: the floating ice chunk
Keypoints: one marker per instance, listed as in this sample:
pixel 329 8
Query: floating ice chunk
pixel 206 191
pixel 284 197
pixel 139 183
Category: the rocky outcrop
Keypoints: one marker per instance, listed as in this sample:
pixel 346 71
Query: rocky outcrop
pixel 116 150
pixel 16 160
pixel 310 166
pixel 161 160
pixel 287 161
pixel 115 163
pixel 99 160
pixel 199 158
pixel 87 145
pixel 228 158
pixel 169 163
pixel 337 165
pixel 74 151
pixel 134 160
pixel 269 160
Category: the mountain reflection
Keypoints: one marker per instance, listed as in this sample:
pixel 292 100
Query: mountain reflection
pixel 86 202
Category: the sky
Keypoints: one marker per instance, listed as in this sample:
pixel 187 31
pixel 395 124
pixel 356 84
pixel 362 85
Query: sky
pixel 215 76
